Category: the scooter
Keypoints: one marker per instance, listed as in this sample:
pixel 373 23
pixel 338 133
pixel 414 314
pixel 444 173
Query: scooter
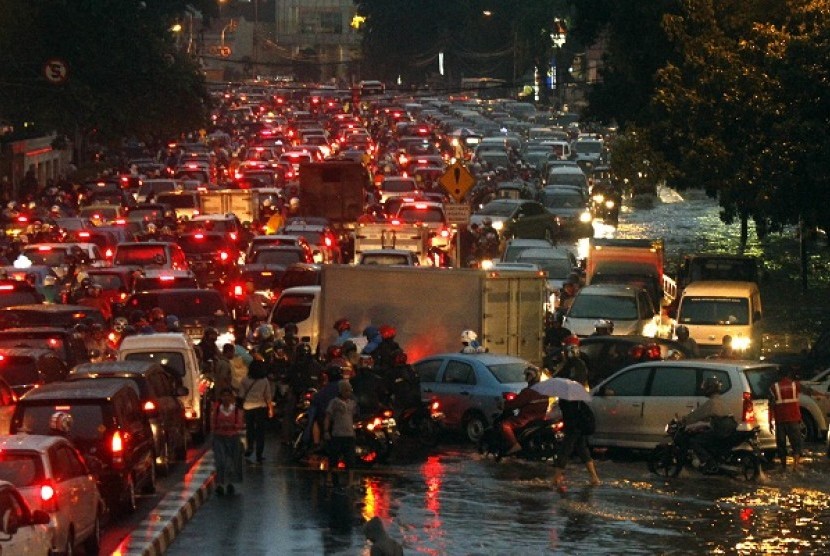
pixel 539 439
pixel 738 455
pixel 423 421
pixel 375 435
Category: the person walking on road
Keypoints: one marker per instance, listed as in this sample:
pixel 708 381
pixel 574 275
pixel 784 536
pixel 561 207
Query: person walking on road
pixel 785 413
pixel 227 424
pixel 258 403
pixel 338 428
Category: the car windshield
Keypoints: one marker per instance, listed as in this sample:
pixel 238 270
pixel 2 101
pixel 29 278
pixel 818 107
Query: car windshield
pixel 498 209
pixel 385 259
pixel 264 280
pixel 140 255
pixel 556 268
pixel 179 201
pixel 183 304
pixel 209 225
pixel 398 186
pixel 24 318
pixel 566 178
pixel 147 188
pixel 12 298
pixel 507 373
pixel 312 237
pixel 171 359
pixel 614 307
pixel 22 469
pixel 564 200
pixel 203 243
pixel 46 256
pixel 760 379
pixel 164 283
pixel 87 420
pixel 427 214
pixel 273 256
pixel 292 308
pixel 714 310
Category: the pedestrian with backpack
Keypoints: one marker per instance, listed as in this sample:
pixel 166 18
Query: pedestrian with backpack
pixel 228 425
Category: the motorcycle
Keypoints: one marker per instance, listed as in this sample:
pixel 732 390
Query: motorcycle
pixel 375 434
pixel 422 421
pixel 738 455
pixel 540 439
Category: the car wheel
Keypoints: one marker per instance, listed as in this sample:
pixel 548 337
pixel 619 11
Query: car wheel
pixel 150 482
pixel 474 426
pixel 809 428
pixel 92 544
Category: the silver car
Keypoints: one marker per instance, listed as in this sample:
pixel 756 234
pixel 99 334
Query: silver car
pixel 471 387
pixel 628 308
pixel 633 406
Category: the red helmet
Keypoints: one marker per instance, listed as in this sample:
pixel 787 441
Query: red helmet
pixel 572 340
pixel 400 358
pixel 387 332
pixel 653 352
pixel 342 324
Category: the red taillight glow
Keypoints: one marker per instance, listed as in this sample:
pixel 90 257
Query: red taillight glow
pixel 237 291
pixel 166 278
pixel 508 396
pixel 748 411
pixel 47 497
pixel 199 236
pixel 233 235
pixel 22 219
pixel 223 255
pixel 328 242
pixel 83 234
pixel 117 444
pixel 109 253
pixel 44 248
pixel 6 287
pixel 149 406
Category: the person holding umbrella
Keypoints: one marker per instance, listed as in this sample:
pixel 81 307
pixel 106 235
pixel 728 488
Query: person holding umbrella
pixel 532 406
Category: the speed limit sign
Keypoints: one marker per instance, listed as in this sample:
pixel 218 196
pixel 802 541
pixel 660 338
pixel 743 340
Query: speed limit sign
pixel 56 71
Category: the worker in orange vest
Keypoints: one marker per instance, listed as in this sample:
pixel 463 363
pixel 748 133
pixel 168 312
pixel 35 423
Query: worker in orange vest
pixel 785 413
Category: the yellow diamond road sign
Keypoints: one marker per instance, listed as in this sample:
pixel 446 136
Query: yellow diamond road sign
pixel 457 180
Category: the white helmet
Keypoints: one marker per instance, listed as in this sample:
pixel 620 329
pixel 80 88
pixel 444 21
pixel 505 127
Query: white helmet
pixel 294 202
pixel 468 337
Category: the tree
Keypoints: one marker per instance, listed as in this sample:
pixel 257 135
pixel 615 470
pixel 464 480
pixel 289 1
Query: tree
pixel 126 78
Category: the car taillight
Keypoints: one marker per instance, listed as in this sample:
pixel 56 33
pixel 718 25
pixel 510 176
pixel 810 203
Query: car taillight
pixel 238 291
pixel 117 448
pixel 48 500
pixel 149 407
pixel 233 236
pixel 223 255
pixel 328 242
pixel 109 253
pixel 375 423
pixel 748 415
pixel 508 396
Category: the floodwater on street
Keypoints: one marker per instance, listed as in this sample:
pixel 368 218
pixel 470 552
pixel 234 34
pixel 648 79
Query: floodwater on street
pixel 459 502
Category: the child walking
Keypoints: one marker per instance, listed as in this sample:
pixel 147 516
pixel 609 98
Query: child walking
pixel 228 424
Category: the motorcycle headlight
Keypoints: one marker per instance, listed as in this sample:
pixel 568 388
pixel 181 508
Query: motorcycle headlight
pixel 486 264
pixel 585 217
pixel 609 204
pixel 741 343
pixel 498 225
pixel 599 197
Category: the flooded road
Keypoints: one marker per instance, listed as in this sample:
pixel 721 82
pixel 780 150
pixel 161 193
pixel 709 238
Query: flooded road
pixel 458 502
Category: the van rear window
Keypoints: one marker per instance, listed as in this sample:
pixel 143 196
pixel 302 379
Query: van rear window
pixel 140 255
pixel 22 469
pixel 164 358
pixel 714 310
pixel 87 419
pixel 292 308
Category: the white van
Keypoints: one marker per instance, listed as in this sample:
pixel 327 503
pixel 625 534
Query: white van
pixel 178 352
pixel 712 310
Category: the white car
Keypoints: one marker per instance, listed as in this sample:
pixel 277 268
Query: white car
pixel 22 530
pixel 51 476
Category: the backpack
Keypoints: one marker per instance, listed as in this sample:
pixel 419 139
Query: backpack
pixel 586 422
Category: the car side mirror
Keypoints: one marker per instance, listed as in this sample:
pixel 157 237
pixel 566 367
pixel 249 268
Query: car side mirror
pixel 10 524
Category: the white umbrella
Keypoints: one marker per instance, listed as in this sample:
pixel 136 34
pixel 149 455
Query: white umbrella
pixel 563 388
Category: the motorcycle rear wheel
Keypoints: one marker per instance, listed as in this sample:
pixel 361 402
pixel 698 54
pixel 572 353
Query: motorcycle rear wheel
pixel 428 432
pixel 665 461
pixel 749 465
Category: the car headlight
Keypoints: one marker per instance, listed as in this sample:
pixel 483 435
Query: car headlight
pixel 585 217
pixel 486 264
pixel 598 198
pixel 741 343
pixel 609 204
pixel 498 225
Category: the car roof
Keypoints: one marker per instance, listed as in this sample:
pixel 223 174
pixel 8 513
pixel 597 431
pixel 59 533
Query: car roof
pixel 114 367
pixel 544 253
pixel 718 288
pixel 34 442
pixel 80 390
pixel 405 252
pixel 35 353
pixel 54 308
pixel 39 330
pixel 607 289
pixel 160 341
pixel 486 358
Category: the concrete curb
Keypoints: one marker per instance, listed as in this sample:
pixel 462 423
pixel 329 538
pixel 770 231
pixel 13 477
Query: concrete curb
pixel 157 531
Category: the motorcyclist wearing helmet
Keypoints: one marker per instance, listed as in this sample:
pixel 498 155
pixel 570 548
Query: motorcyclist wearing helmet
pixel 403 384
pixel 344 331
pixel 469 342
pixel 172 323
pixel 290 337
pixel 488 240
pixel 573 367
pixel 388 346
pixel 369 388
pixel 264 348
pixel 603 327
pixel 158 320
pixel 320 401
pixel 373 340
pixel 531 406
pixel 683 338
pixel 705 423
pixel 50 289
pixel 208 348
pixel 555 334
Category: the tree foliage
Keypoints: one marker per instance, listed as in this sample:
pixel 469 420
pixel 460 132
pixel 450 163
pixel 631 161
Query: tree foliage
pixel 126 76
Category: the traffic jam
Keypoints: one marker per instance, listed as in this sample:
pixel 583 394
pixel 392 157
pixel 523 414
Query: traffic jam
pixel 451 257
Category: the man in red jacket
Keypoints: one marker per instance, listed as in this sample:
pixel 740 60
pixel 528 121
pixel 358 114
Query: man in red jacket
pixel 785 413
pixel 531 405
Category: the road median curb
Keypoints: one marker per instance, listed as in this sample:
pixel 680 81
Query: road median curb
pixel 157 531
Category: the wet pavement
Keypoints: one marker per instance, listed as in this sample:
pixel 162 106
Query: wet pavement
pixel 456 501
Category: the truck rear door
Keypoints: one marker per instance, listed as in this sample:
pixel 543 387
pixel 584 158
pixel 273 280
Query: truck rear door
pixel 513 316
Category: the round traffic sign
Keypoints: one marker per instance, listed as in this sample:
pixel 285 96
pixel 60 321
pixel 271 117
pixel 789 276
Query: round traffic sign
pixel 56 71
